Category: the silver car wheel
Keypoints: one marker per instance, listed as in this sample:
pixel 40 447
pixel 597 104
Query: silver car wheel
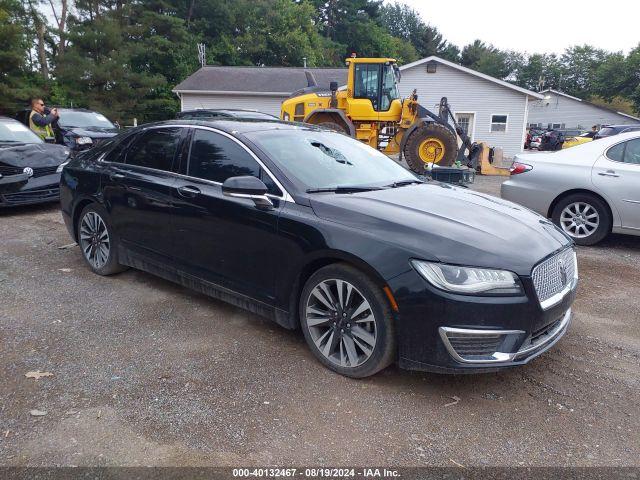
pixel 579 219
pixel 94 240
pixel 341 323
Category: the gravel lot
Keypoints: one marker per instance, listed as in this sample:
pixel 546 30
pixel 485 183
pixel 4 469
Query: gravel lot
pixel 148 373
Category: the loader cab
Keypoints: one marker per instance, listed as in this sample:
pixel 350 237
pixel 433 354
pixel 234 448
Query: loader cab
pixel 373 88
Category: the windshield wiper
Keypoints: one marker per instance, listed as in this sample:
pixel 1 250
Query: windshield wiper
pixel 343 189
pixel 402 183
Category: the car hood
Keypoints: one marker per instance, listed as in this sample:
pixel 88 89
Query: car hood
pixel 435 221
pixel 93 132
pixel 33 155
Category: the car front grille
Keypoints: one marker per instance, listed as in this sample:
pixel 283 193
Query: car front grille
pixel 37 171
pixel 29 196
pixel 554 275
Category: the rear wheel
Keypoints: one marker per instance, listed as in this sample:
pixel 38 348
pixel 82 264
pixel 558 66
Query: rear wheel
pixel 347 322
pixel 431 143
pixel 583 217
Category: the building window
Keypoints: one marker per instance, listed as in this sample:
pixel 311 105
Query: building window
pixel 499 123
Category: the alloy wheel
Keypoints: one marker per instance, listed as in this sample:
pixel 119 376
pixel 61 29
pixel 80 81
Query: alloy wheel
pixel 579 219
pixel 94 240
pixel 341 323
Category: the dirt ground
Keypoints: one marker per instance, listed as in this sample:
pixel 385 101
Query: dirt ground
pixel 149 373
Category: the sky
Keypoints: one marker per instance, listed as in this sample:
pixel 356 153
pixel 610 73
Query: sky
pixel 535 26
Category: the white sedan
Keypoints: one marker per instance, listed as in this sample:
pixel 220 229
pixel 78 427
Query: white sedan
pixel 589 190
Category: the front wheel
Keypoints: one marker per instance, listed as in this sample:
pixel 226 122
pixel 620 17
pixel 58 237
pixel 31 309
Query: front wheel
pixel 583 217
pixel 431 143
pixel 98 241
pixel 347 322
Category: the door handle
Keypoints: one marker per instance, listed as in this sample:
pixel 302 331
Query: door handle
pixel 116 176
pixel 608 173
pixel 188 191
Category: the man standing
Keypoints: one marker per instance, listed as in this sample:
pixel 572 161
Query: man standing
pixel 40 121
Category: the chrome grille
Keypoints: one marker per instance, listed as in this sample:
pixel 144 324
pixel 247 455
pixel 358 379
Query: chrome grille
pixel 554 274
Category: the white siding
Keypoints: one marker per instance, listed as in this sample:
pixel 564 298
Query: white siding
pixel 467 93
pixel 266 104
pixel 572 113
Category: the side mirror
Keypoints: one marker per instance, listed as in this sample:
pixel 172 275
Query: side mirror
pixel 50 139
pixel 248 187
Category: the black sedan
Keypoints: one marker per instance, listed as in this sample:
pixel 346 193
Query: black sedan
pixel 23 152
pixel 316 230
pixel 77 128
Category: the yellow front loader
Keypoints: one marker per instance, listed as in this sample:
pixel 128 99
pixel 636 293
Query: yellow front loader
pixel 370 109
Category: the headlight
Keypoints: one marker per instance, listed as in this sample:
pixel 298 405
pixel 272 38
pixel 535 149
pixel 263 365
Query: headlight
pixel 469 280
pixel 84 140
pixel 61 166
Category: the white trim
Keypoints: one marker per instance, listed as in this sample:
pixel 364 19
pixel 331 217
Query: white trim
pixel 491 122
pixel 525 123
pixel 475 116
pixel 475 73
pixel 562 94
pixel 628 116
pixel 235 92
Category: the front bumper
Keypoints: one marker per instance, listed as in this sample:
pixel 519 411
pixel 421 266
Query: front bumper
pixel 449 333
pixel 37 190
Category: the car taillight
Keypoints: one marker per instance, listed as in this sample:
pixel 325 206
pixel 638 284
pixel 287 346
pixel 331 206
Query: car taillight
pixel 518 168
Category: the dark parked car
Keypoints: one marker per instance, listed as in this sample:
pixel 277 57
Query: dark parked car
pixel 77 128
pixel 315 230
pixel 609 130
pixel 221 113
pixel 23 152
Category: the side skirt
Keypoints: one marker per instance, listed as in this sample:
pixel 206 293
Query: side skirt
pixel 146 264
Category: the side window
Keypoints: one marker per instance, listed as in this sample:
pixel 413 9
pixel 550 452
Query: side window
pixel 215 157
pixel 632 152
pixel 155 148
pixel 115 154
pixel 616 153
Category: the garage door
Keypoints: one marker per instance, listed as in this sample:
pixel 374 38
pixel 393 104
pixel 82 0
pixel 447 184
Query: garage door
pixel 261 103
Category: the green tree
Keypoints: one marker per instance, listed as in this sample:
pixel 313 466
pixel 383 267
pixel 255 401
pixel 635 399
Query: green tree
pixel 491 60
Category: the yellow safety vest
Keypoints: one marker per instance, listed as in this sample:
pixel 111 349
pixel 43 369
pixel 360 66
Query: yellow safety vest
pixel 42 132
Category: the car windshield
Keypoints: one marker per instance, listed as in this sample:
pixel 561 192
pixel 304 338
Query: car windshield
pixel 14 132
pixel 70 118
pixel 326 160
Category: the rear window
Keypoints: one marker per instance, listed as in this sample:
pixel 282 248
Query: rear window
pixel 606 132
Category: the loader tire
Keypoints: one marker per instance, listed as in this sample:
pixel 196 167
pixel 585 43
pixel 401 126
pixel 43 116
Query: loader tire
pixel 431 143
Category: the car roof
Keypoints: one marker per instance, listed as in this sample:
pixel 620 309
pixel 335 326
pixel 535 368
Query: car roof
pixel 239 125
pixel 630 125
pixel 4 119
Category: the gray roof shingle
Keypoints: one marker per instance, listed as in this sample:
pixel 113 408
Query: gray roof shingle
pixel 284 80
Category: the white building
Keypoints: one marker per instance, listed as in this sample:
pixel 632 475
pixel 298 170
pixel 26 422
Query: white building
pixel 491 110
pixel 559 110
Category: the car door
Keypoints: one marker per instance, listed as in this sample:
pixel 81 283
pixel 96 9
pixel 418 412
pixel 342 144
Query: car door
pixel 617 176
pixel 226 240
pixel 137 187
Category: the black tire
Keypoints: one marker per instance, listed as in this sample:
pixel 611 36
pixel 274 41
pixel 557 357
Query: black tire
pixel 336 127
pixel 111 265
pixel 604 220
pixel 430 130
pixel 383 352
